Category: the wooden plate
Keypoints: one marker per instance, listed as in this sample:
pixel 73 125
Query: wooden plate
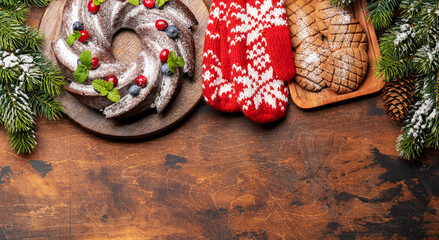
pixel 306 100
pixel 150 123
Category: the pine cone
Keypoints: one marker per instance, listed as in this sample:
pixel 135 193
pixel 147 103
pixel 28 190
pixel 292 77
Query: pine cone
pixel 399 96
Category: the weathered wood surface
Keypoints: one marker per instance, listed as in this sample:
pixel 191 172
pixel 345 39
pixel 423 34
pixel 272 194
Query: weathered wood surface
pixel 128 44
pixel 372 83
pixel 330 173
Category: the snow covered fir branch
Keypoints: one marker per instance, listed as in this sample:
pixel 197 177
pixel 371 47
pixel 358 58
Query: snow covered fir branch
pixel 28 81
pixel 410 46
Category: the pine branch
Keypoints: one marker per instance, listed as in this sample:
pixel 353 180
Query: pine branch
pixel 53 81
pixel 392 68
pixel 398 42
pixel 426 59
pixel 420 129
pixel 410 9
pixel 23 142
pixel 381 12
pixel 29 3
pixel 15 111
pixel 410 46
pixel 28 81
pixel 21 69
pixel 11 33
pixel 19 12
pixel 45 106
pixel 33 39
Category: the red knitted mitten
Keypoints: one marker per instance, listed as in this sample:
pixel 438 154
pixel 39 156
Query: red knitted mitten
pixel 262 58
pixel 218 89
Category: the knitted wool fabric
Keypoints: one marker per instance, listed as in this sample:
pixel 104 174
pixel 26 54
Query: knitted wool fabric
pixel 262 57
pixel 218 89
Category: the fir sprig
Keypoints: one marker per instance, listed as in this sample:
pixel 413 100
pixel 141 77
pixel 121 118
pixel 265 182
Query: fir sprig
pixel 381 12
pixel 29 3
pixel 421 128
pixel 18 11
pixel 28 81
pixel 410 47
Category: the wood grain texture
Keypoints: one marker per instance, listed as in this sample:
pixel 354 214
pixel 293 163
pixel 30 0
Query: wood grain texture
pixel 372 83
pixel 331 173
pixel 124 48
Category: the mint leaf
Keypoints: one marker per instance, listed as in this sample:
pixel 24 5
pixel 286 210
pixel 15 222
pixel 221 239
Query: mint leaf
pixel 114 95
pixel 81 73
pixel 86 58
pixel 174 62
pixel 161 2
pixel 71 39
pixel 98 2
pixel 106 89
pixel 172 56
pixel 172 67
pixel 134 2
pixel 77 34
pixel 109 85
pixel 179 62
pixel 100 86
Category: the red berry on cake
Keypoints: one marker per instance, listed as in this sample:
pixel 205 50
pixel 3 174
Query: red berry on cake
pixel 149 3
pixel 161 24
pixel 84 36
pixel 94 63
pixel 112 79
pixel 164 55
pixel 141 81
pixel 92 8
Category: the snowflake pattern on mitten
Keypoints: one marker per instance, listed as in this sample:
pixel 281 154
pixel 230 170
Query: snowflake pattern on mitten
pixel 262 58
pixel 218 89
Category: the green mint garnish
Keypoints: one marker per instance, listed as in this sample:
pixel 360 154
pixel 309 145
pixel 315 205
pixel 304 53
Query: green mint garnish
pixel 114 95
pixel 161 2
pixel 81 73
pixel 106 89
pixel 73 37
pixel 83 70
pixel 174 62
pixel 98 2
pixel 77 34
pixel 86 59
pixel 134 2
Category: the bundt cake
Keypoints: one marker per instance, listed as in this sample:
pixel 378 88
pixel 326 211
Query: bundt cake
pixel 149 82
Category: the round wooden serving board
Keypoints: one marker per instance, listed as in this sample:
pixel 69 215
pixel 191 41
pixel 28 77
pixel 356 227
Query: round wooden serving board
pixel 150 123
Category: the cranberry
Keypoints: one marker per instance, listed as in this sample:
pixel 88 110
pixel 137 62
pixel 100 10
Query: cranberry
pixel 84 36
pixel 161 24
pixel 164 55
pixel 92 8
pixel 94 63
pixel 112 79
pixel 141 81
pixel 149 3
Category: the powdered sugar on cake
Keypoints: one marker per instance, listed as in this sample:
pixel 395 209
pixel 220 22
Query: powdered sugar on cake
pixel 112 16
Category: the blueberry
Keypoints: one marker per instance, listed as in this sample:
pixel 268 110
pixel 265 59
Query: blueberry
pixel 172 31
pixel 165 69
pixel 78 62
pixel 157 6
pixel 78 26
pixel 135 90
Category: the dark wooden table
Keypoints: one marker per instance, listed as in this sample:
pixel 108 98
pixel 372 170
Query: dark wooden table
pixel 330 173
